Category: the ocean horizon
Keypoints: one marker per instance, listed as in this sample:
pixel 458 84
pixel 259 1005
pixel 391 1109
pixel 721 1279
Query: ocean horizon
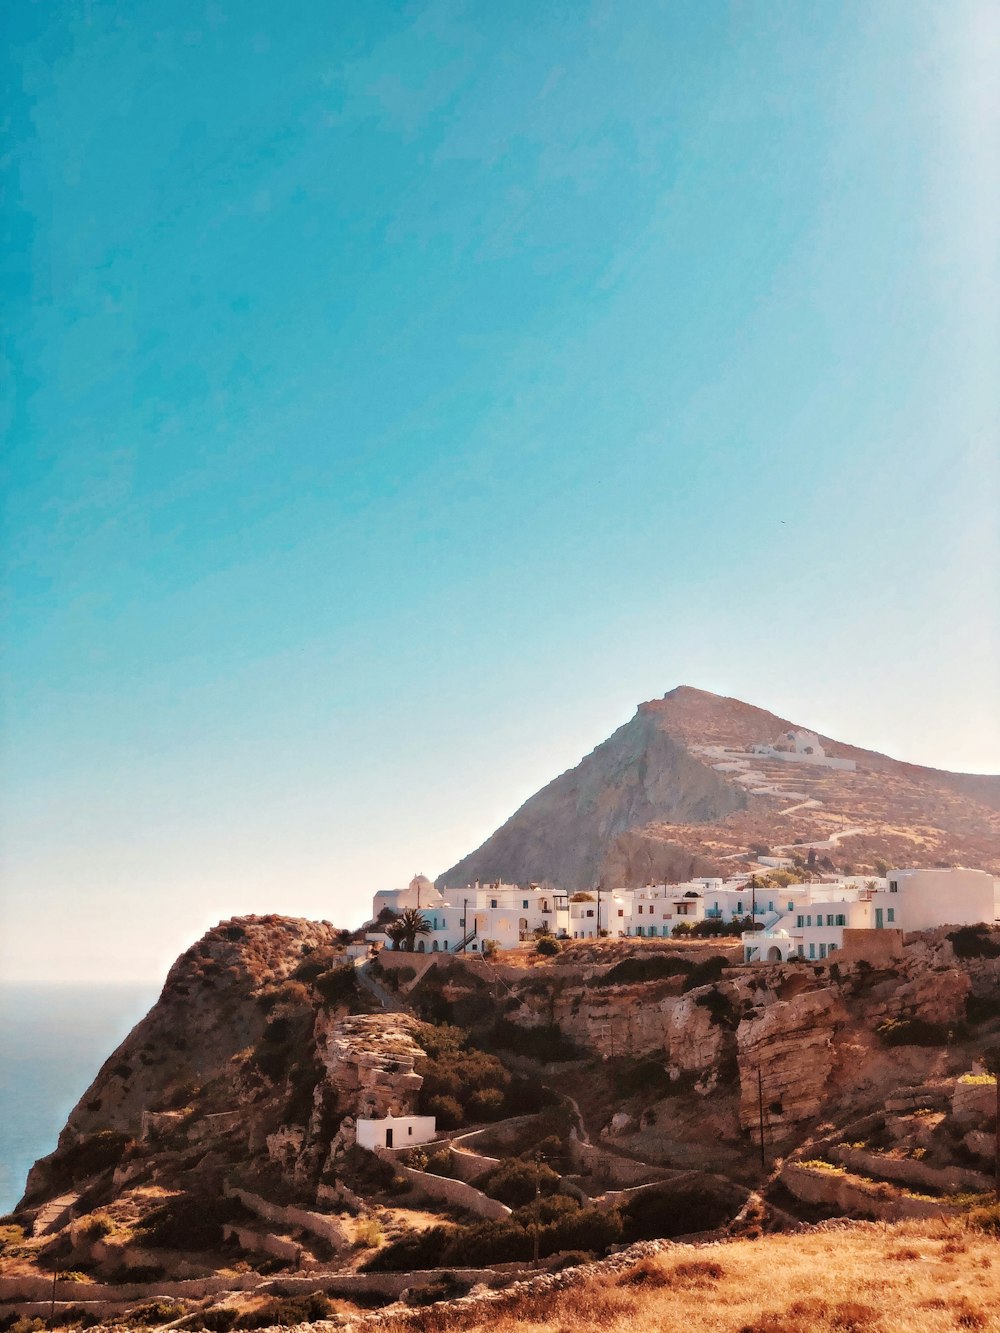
pixel 54 1037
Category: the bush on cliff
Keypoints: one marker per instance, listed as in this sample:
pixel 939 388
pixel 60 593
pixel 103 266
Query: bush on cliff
pixel 547 1043
pixel 190 1222
pixel 975 942
pixel 914 1032
pixel 652 967
pixel 88 1156
pixel 458 1078
pixel 338 986
pixel 704 973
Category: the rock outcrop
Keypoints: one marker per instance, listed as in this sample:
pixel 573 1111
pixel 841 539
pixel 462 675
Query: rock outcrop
pixel 786 1056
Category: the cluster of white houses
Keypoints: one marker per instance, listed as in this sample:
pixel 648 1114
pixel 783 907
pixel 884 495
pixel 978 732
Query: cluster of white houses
pixel 807 920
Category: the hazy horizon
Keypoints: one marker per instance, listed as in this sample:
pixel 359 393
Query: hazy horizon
pixel 398 395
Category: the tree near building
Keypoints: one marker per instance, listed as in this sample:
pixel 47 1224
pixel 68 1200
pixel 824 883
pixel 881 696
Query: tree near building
pixel 412 923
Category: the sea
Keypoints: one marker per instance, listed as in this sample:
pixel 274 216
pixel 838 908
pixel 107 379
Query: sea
pixel 53 1040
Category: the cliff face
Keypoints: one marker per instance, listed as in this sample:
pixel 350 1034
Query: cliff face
pixel 258 1050
pixel 677 791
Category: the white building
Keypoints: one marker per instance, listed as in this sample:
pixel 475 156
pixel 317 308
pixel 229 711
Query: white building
pixel 816 915
pixel 395 1131
pixel 801 747
pixel 460 920
pixel 419 893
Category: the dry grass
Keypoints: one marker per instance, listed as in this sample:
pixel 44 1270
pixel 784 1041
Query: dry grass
pixel 907 1278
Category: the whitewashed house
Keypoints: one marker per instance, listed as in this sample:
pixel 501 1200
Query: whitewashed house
pixel 818 914
pixel 460 920
pixel 395 1131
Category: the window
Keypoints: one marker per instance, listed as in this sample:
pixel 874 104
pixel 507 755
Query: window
pixel 829 918
pixel 770 906
pixel 892 913
pixel 812 951
pixel 493 902
pixel 800 921
pixel 893 886
pixel 621 911
pixel 841 919
pixel 640 909
pixel 524 902
pixel 791 906
pixel 652 930
pixel 590 911
pixel 739 905
pixel 822 951
pixel 809 920
pixel 831 947
pixel 409 1129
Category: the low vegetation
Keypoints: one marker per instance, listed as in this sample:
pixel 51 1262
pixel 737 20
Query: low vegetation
pixel 558 1222
pixel 908 1278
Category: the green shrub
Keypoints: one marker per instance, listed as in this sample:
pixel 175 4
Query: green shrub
pixel 190 1222
pixel 704 973
pixel 96 1226
pixel 453 1072
pixel 548 946
pixel 515 1180
pixel 651 967
pixel 485 1104
pixel 440 1164
pixel 368 1234
pixel 339 986
pixel 447 1111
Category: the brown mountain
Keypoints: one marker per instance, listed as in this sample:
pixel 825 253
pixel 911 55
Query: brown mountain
pixel 677 791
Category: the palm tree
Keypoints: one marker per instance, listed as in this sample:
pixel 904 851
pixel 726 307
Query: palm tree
pixel 395 932
pixel 412 923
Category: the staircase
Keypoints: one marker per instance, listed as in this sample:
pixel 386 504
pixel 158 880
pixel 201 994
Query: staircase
pixel 463 944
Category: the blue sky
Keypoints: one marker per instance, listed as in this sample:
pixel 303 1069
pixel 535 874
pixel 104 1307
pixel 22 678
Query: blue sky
pixel 398 393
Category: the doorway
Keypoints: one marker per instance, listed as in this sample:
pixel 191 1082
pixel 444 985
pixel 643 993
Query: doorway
pixel 388 1138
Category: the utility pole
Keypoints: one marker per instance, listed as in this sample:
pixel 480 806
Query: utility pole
pixel 537 1194
pixel 760 1113
pixel 465 923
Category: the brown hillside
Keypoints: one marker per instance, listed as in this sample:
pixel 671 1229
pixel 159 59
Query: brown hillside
pixel 675 792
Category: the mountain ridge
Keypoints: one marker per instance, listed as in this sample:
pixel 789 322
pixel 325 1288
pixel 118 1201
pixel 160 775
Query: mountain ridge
pixel 654 800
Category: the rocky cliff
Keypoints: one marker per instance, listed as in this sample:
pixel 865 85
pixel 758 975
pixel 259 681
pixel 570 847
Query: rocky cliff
pixel 258 1050
pixel 678 791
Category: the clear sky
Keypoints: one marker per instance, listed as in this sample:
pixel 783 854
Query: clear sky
pixel 397 393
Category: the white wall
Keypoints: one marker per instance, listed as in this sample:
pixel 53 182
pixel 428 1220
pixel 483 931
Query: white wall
pixel 407 1131
pixel 928 898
